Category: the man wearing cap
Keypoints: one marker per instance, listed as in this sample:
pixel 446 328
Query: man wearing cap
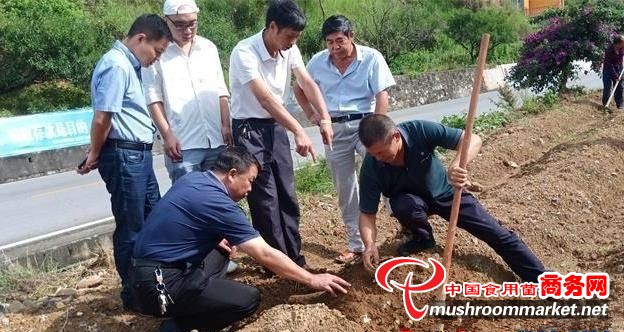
pixel 260 76
pixel 354 80
pixel 122 134
pixel 187 96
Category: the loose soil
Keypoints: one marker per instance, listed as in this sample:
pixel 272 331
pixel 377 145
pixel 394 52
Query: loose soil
pixel 564 199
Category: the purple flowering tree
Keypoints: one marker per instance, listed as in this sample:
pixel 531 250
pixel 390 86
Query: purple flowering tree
pixel 547 57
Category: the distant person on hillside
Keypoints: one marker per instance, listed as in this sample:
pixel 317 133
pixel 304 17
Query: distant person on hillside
pixel 401 163
pixel 181 255
pixel 260 78
pixel 122 133
pixel 611 70
pixel 187 96
pixel 354 80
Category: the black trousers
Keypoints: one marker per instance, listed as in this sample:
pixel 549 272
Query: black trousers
pixel 272 200
pixel 203 298
pixel 412 212
pixel 607 82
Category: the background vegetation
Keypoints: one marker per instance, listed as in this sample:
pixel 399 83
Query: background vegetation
pixel 48 48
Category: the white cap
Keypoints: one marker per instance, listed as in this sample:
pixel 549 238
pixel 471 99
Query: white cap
pixel 174 7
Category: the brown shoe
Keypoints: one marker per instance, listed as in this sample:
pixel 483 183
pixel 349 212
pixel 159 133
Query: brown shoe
pixel 347 256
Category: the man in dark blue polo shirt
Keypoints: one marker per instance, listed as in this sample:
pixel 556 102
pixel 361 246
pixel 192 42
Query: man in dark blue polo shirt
pixel 187 240
pixel 402 165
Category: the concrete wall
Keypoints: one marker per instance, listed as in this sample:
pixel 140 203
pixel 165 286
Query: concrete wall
pixel 431 88
pixel 408 92
pixel 47 162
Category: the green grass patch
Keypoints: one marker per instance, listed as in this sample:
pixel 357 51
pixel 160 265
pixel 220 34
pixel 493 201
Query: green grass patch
pixel 483 123
pixel 314 178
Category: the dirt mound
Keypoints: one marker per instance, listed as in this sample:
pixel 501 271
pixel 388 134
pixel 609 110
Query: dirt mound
pixel 291 318
pixel 564 199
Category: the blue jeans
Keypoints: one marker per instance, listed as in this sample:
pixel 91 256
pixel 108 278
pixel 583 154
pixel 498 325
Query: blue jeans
pixel 130 180
pixel 192 160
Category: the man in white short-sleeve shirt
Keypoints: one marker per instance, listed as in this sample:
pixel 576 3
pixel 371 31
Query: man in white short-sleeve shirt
pixel 354 80
pixel 260 80
pixel 187 95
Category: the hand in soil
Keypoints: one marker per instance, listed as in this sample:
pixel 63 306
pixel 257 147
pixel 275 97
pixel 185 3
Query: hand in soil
pixel 330 283
pixel 370 257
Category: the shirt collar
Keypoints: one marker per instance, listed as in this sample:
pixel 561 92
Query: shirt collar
pixel 134 61
pixel 210 173
pixel 261 47
pixel 406 139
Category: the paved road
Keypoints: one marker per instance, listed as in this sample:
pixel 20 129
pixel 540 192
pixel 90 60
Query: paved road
pixel 63 204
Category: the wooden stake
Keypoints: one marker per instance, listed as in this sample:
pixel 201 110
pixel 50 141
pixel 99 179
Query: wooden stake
pixel 474 100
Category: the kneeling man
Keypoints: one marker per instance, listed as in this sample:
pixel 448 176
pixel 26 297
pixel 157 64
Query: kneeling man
pixel 401 164
pixel 181 254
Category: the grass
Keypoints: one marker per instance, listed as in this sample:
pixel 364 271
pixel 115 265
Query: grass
pixel 314 178
pixel 40 279
pixel 507 111
pixel 484 123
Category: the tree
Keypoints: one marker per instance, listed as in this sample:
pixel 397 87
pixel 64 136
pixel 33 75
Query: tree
pixel 45 40
pixel 394 27
pixel 547 56
pixel 505 26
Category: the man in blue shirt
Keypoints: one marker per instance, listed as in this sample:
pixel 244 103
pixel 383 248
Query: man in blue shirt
pixel 354 80
pixel 187 240
pixel 122 134
pixel 401 164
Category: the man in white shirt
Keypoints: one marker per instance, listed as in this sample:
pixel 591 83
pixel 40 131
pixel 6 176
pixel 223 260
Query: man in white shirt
pixel 354 80
pixel 187 95
pixel 260 80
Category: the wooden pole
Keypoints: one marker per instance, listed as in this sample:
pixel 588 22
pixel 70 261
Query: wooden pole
pixel 472 110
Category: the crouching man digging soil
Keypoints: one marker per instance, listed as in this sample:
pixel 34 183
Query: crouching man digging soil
pixel 402 165
pixel 181 254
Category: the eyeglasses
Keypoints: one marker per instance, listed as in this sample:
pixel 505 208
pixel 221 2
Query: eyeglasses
pixel 182 26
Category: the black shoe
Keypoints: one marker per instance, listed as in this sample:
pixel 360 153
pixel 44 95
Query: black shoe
pixel 170 326
pixel 415 245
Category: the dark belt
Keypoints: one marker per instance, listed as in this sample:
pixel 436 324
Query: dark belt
pixel 350 117
pixel 255 121
pixel 117 143
pixel 140 262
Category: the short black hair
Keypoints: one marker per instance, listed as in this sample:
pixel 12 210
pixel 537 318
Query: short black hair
pixel 336 23
pixel 153 26
pixel 375 128
pixel 235 157
pixel 286 14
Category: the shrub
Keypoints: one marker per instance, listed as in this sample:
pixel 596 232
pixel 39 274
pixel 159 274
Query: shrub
pixel 508 101
pixel 446 55
pixel 395 27
pixel 45 97
pixel 547 56
pixel 505 26
pixel 45 40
